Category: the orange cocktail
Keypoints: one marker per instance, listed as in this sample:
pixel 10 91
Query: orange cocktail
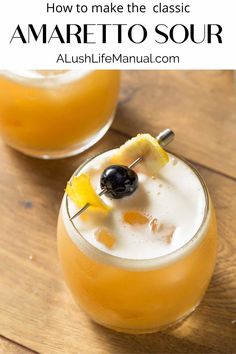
pixel 151 276
pixel 52 114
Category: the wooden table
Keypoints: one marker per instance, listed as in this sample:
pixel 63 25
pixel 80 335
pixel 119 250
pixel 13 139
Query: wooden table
pixel 37 313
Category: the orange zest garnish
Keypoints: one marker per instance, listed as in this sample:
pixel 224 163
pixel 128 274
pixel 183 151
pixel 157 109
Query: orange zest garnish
pixel 81 191
pixel 154 156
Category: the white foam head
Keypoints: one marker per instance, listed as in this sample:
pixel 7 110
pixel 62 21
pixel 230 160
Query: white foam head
pixel 45 78
pixel 176 197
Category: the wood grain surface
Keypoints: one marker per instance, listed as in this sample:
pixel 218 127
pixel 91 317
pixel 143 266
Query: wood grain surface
pixel 200 106
pixel 8 346
pixel 36 309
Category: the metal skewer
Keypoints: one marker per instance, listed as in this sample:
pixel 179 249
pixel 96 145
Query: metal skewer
pixel 164 138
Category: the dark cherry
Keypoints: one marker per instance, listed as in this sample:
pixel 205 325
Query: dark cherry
pixel 119 181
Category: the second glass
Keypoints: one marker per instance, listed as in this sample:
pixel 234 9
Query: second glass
pixel 54 114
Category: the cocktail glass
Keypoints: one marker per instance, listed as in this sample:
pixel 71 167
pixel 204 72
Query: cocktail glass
pixel 54 114
pixel 133 295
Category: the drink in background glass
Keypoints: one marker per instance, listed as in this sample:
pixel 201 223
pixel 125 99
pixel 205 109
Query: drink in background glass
pixel 157 272
pixel 54 114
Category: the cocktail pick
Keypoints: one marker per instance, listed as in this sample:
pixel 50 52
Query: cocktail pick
pixel 164 138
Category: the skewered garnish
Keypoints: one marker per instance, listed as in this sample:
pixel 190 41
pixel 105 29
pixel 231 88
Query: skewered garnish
pixel 81 191
pixel 154 156
pixel 104 236
pixel 118 181
pixel 143 148
pixel 133 217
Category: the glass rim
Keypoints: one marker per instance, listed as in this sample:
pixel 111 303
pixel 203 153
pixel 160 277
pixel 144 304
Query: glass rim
pixel 65 76
pixel 145 263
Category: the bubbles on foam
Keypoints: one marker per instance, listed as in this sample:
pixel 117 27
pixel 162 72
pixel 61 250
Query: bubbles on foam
pixel 166 197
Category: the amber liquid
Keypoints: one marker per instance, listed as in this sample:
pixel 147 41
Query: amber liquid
pixel 135 301
pixel 41 120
